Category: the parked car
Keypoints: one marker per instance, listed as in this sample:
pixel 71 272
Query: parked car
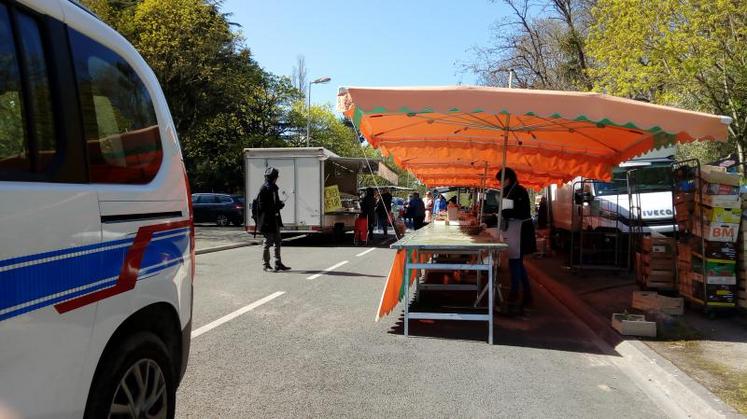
pixel 222 209
pixel 97 248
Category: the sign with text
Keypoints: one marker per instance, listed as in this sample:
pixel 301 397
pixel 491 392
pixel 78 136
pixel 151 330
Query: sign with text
pixel 332 201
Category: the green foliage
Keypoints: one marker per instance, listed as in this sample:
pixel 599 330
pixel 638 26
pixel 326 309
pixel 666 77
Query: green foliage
pixel 220 98
pixel 686 53
pixel 327 130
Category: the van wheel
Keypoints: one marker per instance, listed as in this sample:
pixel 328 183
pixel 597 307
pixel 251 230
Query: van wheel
pixel 222 220
pixel 135 379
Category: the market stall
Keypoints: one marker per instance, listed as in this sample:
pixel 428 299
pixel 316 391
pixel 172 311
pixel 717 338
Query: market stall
pixel 421 251
pixel 463 135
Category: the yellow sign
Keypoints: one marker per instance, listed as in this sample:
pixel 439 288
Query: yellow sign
pixel 332 201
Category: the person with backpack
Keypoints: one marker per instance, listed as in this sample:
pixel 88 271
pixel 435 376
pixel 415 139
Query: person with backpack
pixel 268 220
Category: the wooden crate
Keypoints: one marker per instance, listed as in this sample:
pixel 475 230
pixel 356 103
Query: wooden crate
pixel 659 279
pixel 652 301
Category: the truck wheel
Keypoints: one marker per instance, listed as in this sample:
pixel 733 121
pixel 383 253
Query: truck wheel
pixel 134 379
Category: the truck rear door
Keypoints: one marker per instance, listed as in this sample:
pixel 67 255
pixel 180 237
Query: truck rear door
pixel 286 188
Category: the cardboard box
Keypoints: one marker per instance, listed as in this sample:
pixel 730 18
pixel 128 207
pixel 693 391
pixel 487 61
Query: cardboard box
pixel 696 276
pixel 718 189
pixel 722 201
pixel 633 325
pixel 721 295
pixel 720 215
pixel 723 232
pixel 714 267
pixel 716 174
pixel 714 250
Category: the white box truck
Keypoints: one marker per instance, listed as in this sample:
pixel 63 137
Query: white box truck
pixel 590 205
pixel 305 172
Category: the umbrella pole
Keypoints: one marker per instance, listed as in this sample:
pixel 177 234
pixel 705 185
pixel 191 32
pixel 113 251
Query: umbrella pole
pixel 503 176
pixel 484 187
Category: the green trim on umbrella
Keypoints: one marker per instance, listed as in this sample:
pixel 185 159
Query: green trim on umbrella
pixel 605 122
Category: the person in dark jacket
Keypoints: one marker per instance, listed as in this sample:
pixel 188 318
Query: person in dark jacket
pixel 368 208
pixel 269 220
pixel 518 232
pixel 383 209
pixel 416 211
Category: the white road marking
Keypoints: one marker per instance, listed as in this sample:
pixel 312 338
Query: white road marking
pixel 290 239
pixel 331 268
pixel 235 314
pixel 366 252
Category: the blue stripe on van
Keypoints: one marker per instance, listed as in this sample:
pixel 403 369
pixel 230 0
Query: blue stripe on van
pixel 24 284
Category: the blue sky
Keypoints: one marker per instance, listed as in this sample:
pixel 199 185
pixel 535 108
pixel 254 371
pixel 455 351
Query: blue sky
pixel 366 43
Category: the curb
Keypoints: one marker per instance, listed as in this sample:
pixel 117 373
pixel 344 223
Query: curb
pixel 661 380
pixel 224 247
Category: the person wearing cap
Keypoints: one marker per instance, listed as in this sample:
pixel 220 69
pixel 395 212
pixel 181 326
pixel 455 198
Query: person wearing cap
pixel 269 220
pixel 518 233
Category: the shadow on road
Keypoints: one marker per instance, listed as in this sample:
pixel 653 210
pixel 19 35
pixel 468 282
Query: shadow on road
pixel 546 326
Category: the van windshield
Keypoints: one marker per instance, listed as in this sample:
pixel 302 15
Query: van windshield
pixel 656 178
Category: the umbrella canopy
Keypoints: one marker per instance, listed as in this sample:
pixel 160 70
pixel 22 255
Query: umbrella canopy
pixel 448 134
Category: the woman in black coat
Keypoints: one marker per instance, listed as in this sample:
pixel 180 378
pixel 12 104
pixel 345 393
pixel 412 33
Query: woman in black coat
pixel 518 232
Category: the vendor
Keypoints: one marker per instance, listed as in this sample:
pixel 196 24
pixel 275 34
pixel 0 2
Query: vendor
pixel 518 232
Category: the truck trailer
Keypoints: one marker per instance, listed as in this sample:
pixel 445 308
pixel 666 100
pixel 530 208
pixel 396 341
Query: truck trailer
pixel 308 175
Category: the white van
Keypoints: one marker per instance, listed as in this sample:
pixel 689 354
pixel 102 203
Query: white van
pixel 96 235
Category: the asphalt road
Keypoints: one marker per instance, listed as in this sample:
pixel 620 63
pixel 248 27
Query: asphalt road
pixel 310 348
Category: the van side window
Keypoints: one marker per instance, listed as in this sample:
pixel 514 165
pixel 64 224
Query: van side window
pixel 14 152
pixel 39 92
pixel 119 122
pixel 27 135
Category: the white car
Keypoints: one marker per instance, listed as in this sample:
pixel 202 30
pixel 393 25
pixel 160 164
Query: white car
pixel 96 234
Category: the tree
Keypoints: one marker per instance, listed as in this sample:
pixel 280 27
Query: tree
pixel 685 53
pixel 299 74
pixel 543 43
pixel 327 130
pixel 220 99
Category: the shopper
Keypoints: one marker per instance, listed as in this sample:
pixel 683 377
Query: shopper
pixel 428 201
pixel 406 214
pixel 518 232
pixel 384 210
pixel 368 208
pixel 440 204
pixel 416 208
pixel 269 220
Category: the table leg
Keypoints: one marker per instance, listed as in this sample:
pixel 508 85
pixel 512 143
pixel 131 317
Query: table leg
pixel 406 297
pixel 490 299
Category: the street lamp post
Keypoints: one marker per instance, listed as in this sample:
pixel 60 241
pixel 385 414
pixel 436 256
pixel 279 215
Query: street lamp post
pixel 320 80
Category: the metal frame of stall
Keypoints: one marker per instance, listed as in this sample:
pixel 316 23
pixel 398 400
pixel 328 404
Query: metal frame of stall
pixel 487 259
pixel 579 216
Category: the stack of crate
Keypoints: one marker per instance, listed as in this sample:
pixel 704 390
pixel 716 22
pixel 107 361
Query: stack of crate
pixel 657 262
pixel 715 226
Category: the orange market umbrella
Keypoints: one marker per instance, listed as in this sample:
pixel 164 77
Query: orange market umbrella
pixel 546 136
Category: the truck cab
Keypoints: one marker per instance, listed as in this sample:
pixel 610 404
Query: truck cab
pixel 638 198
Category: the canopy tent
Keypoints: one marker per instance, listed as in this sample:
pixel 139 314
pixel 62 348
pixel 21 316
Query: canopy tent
pixel 446 135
